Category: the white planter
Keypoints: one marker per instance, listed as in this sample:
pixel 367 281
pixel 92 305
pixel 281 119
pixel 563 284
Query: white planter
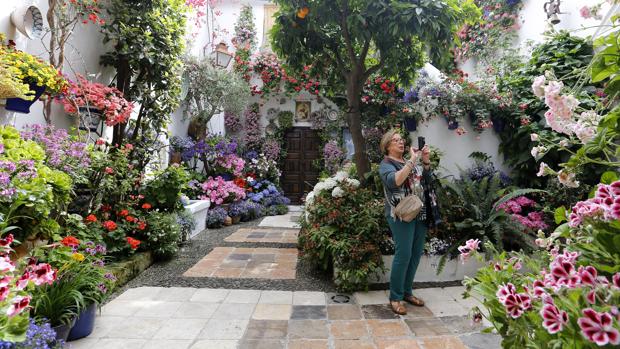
pixel 198 209
pixel 454 269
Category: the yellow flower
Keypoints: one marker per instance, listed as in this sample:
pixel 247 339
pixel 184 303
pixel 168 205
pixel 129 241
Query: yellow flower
pixel 78 257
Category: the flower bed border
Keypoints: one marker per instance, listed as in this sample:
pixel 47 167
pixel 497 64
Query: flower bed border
pixel 127 270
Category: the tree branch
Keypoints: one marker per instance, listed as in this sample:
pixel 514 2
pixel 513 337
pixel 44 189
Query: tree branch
pixel 364 52
pixel 347 36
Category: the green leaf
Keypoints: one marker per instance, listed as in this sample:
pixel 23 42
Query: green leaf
pixel 560 215
pixel 609 177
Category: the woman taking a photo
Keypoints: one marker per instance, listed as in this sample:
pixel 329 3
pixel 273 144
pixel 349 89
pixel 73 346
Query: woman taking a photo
pixel 402 178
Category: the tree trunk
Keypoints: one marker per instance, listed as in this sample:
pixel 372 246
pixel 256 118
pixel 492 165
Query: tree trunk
pixel 355 84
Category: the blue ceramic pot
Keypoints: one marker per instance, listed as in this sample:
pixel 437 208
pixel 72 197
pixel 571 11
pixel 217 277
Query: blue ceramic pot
pixel 84 324
pixel 62 331
pixel 225 176
pixel 453 125
pixel 19 105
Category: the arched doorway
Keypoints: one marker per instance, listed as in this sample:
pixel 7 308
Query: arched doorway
pixel 299 174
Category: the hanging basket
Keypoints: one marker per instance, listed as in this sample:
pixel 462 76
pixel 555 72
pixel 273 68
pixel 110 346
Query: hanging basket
pixel 499 124
pixel 19 105
pixel 197 129
pixel 453 125
pixel 411 124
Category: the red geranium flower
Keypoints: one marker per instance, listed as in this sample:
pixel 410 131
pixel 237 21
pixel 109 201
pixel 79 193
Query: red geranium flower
pixel 146 206
pixel 141 225
pixel 70 241
pixel 134 243
pixel 123 213
pixel 91 218
pixel 108 170
pixel 109 225
pixel 130 219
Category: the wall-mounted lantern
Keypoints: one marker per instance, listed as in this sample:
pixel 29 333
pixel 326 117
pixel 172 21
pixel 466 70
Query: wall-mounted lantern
pixel 552 8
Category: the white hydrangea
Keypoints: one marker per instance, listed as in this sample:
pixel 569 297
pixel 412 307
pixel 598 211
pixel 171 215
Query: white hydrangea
pixel 329 183
pixel 310 199
pixel 337 192
pixel 352 182
pixel 341 175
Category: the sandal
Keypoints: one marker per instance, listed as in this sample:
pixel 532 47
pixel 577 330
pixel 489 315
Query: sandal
pixel 413 300
pixel 398 308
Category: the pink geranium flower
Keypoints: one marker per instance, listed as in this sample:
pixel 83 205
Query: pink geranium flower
pixel 470 246
pixel 588 275
pixel 598 327
pixel 43 274
pixel 6 265
pixel 553 319
pixel 616 280
pixel 19 304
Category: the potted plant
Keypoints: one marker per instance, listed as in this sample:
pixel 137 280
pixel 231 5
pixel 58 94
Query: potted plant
pixel 216 217
pixel 40 76
pixel 85 97
pixel 82 283
pixel 237 210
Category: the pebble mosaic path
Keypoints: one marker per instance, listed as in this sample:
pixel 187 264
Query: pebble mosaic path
pixel 233 317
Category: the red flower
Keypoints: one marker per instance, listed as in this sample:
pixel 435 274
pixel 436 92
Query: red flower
pixel 109 170
pixel 130 219
pixel 70 241
pixel 616 279
pixel 141 225
pixel 123 213
pixel 134 243
pixel 7 240
pixel 109 225
pixel 91 218
pixel 100 141
pixel 106 208
pixel 19 304
pixel 240 182
pixel 598 328
pixel 146 206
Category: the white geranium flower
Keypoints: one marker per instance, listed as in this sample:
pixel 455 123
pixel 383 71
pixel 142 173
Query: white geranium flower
pixel 534 137
pixel 337 192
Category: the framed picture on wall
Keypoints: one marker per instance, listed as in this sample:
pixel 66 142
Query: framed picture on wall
pixel 302 110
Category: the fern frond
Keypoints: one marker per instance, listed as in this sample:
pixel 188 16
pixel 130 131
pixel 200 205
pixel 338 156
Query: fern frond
pixel 515 194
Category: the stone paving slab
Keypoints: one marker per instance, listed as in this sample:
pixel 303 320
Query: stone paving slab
pixel 288 220
pixel 264 235
pixel 246 263
pixel 224 318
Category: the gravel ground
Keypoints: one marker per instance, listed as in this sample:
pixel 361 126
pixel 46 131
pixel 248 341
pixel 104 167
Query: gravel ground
pixel 169 274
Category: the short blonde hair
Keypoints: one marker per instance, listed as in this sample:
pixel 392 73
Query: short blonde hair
pixel 387 139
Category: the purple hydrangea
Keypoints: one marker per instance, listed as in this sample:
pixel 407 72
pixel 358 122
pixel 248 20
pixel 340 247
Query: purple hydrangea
pixel 253 134
pixel 271 149
pixel 333 156
pixel 232 122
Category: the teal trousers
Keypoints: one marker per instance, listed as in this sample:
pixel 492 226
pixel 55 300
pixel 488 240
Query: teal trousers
pixel 409 241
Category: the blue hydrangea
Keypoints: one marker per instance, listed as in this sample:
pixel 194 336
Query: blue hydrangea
pixel 37 336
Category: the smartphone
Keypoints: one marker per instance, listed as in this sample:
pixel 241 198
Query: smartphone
pixel 421 143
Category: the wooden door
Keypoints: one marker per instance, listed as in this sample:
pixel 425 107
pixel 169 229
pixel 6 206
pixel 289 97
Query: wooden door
pixel 299 174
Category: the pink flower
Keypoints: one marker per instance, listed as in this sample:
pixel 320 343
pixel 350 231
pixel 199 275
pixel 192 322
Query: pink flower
pixel 517 304
pixel 109 170
pixel 470 246
pixel 539 289
pixel 591 297
pixel 585 12
pixel 616 280
pixel 19 304
pixel 6 265
pixel 100 141
pixel 504 291
pixel 553 319
pixel 43 273
pixel 588 275
pixel 563 272
pixel 6 241
pixel 539 86
pixel 23 280
pixel 598 328
pixel 4 292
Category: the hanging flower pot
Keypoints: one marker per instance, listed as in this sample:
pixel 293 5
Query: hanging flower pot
pixel 499 124
pixel 453 125
pixel 175 157
pixel 19 105
pixel 197 129
pixel 411 124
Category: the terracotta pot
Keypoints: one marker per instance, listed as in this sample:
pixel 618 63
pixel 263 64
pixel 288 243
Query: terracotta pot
pixel 236 219
pixel 197 129
pixel 228 221
pixel 175 158
pixel 27 246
